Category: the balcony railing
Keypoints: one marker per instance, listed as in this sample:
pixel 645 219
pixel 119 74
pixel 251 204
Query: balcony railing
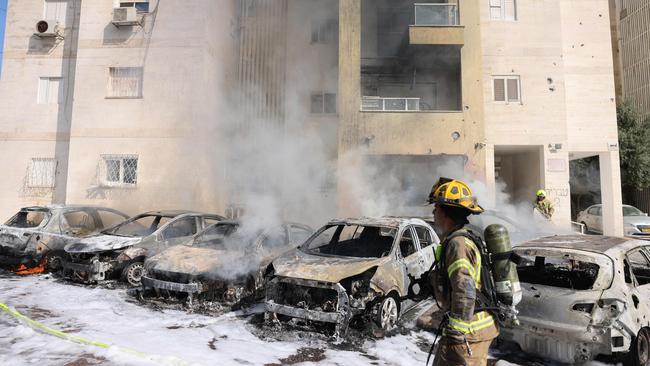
pixel 389 104
pixel 436 14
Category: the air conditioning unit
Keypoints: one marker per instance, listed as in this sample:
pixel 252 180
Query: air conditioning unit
pixel 125 16
pixel 47 28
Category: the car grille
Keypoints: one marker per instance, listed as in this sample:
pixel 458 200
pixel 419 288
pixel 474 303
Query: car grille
pixel 305 297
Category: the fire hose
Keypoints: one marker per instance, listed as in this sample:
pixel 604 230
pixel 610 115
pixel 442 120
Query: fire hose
pixel 68 337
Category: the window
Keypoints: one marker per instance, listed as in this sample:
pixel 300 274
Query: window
pixel 50 90
pixel 110 218
pixel 125 82
pixel 42 173
pixel 424 235
pixel 78 223
pixel 639 266
pixel 506 89
pixel 324 31
pixel 28 218
pixel 181 228
pixel 503 9
pixel 275 239
pixel 406 244
pixel 119 170
pixel 323 103
pixel 55 10
pixel 142 6
pixel 352 241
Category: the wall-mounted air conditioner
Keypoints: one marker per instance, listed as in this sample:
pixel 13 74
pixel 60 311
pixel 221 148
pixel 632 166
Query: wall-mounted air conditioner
pixel 126 16
pixel 47 28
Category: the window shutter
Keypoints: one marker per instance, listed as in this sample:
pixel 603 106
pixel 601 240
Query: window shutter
pixel 499 90
pixel 513 90
pixel 495 9
pixel 56 9
pixel 510 9
pixel 54 92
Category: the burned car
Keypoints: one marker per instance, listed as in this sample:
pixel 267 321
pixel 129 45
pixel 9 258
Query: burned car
pixel 121 250
pixel 353 269
pixel 38 234
pixel 226 263
pixel 584 296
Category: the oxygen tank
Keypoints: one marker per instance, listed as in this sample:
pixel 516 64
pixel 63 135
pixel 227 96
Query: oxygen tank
pixel 504 271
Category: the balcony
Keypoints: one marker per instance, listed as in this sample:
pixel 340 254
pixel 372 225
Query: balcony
pixel 379 104
pixel 433 14
pixel 436 24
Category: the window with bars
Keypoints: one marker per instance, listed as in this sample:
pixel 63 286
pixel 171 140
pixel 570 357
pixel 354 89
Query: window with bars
pixel 503 9
pixel 50 90
pixel 324 31
pixel 42 173
pixel 119 170
pixel 506 89
pixel 125 82
pixel 323 103
pixel 142 6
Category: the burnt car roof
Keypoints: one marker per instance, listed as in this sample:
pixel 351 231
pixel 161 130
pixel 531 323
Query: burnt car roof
pixel 174 213
pixel 591 243
pixel 65 207
pixel 390 221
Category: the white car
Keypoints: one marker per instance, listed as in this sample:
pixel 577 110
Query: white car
pixel 636 223
pixel 584 296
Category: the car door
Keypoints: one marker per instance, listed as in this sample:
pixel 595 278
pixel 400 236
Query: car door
pixel 637 276
pixel 428 242
pixel 412 257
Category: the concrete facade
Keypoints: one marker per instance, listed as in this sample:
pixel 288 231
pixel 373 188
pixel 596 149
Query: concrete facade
pixel 503 102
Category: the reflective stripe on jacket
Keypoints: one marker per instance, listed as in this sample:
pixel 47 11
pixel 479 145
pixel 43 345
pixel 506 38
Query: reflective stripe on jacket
pixel 462 260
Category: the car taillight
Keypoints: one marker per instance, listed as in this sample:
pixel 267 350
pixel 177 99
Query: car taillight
pixel 586 307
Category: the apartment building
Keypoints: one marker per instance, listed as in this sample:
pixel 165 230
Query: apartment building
pixel 503 92
pixel 631 27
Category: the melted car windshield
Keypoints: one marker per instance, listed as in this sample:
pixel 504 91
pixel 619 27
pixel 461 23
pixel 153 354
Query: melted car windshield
pixel 138 226
pixel 215 236
pixel 27 219
pixel 353 241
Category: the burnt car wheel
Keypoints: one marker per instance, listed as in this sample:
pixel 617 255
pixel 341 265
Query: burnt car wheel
pixel 388 313
pixel 132 274
pixel 640 350
pixel 54 261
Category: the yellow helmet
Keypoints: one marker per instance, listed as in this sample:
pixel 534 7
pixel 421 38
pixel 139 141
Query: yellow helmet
pixel 455 193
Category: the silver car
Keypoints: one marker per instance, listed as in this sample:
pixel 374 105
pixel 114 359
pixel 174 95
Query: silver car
pixel 41 232
pixel 120 251
pixel 584 296
pixel 636 223
pixel 353 269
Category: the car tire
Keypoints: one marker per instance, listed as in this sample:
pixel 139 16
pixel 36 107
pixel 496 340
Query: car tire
pixel 132 273
pixel 388 313
pixel 54 261
pixel 639 354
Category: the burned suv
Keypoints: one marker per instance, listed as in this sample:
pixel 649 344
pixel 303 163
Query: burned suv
pixel 225 263
pixel 584 296
pixel 120 251
pixel 353 269
pixel 38 234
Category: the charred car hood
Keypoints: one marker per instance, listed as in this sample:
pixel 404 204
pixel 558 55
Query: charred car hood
pixel 101 243
pixel 298 264
pixel 187 260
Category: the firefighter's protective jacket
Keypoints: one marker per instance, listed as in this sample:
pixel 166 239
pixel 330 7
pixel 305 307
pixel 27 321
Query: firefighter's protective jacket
pixel 545 206
pixel 462 270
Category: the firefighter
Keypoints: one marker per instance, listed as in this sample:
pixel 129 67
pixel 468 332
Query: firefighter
pixel 544 205
pixel 467 332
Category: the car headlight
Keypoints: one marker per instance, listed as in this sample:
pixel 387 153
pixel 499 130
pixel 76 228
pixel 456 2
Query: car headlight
pixel 630 228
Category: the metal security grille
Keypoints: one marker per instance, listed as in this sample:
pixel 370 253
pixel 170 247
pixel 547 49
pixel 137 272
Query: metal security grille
pixel 119 170
pixel 125 82
pixel 42 173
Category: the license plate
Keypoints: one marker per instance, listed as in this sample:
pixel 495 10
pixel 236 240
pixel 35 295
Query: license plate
pixel 646 230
